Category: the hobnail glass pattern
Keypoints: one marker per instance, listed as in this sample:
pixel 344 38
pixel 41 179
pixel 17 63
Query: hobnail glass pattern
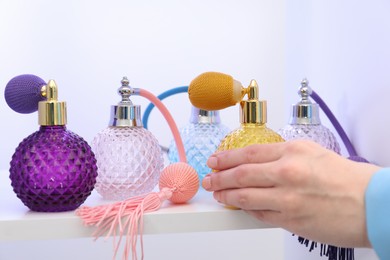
pixel 249 134
pixel 200 141
pixel 129 162
pixel 317 133
pixel 53 170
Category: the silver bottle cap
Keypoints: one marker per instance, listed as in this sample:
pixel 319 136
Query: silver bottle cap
pixel 200 116
pixel 125 113
pixel 305 112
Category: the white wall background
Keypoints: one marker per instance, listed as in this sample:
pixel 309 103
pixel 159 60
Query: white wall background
pixel 343 49
pixel 87 46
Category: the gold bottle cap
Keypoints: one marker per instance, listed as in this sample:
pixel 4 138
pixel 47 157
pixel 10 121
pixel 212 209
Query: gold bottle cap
pixel 253 111
pixel 51 112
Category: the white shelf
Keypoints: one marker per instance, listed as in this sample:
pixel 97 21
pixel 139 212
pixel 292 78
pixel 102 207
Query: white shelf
pixel 201 214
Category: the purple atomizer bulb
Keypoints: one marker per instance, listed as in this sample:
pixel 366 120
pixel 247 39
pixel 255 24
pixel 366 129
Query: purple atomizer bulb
pixel 53 169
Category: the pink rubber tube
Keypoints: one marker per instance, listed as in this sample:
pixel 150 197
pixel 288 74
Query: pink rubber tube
pixel 167 115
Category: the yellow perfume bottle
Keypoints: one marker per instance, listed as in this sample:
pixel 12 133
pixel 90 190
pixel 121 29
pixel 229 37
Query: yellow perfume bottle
pixel 253 119
pixel 215 91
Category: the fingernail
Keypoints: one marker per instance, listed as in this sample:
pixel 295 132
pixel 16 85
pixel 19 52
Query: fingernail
pixel 216 196
pixel 212 162
pixel 206 182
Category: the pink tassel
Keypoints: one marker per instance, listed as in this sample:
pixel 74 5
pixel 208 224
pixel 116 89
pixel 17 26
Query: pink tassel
pixel 179 182
pixel 125 216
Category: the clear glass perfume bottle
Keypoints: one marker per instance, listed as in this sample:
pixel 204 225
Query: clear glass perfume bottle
pixel 53 169
pixel 201 138
pixel 253 129
pixel 129 157
pixel 305 122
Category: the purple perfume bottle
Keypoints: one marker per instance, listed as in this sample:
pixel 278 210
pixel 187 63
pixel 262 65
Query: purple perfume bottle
pixel 129 157
pixel 53 169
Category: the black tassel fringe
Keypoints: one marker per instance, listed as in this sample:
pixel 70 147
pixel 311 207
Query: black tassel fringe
pixel 332 252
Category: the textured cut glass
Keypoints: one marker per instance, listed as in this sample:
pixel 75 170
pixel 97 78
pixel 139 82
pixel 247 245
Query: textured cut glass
pixel 317 133
pixel 53 170
pixel 200 141
pixel 249 134
pixel 129 162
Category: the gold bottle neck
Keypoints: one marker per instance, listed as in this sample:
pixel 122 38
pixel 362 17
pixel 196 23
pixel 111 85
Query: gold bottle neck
pixel 253 111
pixel 51 112
pixel 252 125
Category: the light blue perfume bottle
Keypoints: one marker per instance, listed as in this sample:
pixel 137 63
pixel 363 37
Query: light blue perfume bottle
pixel 201 138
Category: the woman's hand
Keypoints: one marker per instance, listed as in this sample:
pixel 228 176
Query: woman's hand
pixel 297 185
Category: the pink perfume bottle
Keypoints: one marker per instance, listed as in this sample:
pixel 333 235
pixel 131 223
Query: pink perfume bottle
pixel 305 122
pixel 53 169
pixel 129 157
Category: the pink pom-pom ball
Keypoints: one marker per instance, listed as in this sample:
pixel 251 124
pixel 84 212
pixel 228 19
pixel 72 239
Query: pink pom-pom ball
pixel 182 180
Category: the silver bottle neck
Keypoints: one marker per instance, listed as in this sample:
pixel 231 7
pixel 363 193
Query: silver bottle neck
pixel 200 116
pixel 125 115
pixel 305 114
